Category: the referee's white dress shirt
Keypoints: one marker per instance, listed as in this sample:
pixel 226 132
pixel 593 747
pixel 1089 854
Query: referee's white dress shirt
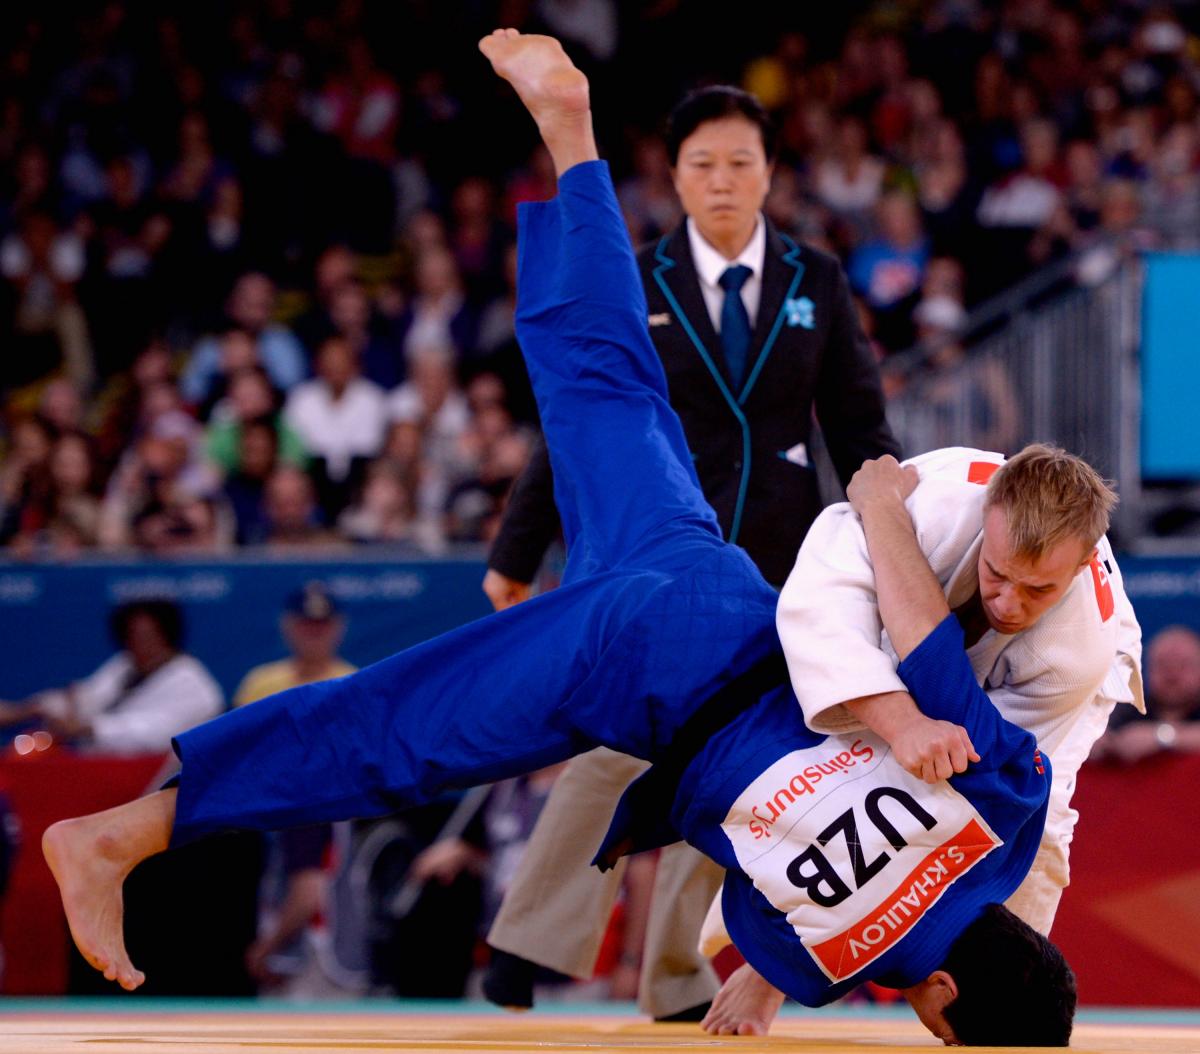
pixel 710 265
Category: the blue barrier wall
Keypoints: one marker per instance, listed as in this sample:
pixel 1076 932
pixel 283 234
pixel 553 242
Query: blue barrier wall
pixel 1164 589
pixel 53 618
pixel 1171 367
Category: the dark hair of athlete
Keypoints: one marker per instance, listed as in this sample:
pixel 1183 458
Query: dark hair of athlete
pixel 1015 989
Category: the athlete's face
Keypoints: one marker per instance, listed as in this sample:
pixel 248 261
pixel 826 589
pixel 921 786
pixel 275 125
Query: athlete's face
pixel 1016 591
pixel 930 999
pixel 722 177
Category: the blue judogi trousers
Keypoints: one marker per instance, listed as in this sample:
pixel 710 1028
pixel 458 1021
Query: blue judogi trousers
pixel 656 614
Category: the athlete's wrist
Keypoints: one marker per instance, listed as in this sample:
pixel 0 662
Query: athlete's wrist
pixel 887 714
pixel 884 509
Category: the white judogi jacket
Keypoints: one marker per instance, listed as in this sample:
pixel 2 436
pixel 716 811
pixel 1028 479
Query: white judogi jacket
pixel 1060 679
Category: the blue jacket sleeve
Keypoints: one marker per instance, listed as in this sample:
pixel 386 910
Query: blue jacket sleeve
pixel 939 676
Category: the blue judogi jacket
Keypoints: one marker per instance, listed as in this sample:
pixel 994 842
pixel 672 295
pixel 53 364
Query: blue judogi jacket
pixel 842 867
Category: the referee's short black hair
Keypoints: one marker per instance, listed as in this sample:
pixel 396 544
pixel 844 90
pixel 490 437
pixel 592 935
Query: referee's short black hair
pixel 712 104
pixel 165 614
pixel 1015 989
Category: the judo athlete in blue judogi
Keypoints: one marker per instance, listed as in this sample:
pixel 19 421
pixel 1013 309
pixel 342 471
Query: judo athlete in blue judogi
pixel 661 643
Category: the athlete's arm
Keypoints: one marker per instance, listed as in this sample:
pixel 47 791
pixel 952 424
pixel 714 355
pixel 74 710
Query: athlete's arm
pixel 828 612
pixel 911 605
pixel 911 602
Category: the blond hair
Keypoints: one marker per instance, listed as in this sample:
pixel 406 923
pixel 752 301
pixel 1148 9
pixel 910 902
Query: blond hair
pixel 1048 495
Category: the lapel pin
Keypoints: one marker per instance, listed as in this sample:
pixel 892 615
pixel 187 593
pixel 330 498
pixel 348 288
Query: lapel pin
pixel 800 312
pixel 663 319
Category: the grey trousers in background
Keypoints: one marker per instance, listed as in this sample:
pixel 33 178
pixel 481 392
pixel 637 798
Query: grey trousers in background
pixel 557 908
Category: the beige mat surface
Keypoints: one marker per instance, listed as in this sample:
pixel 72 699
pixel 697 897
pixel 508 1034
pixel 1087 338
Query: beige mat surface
pixel 82 1032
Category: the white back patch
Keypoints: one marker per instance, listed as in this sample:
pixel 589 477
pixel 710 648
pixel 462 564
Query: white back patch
pixel 851 848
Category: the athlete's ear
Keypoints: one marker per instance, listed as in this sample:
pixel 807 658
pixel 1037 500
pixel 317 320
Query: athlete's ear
pixel 1089 557
pixel 944 988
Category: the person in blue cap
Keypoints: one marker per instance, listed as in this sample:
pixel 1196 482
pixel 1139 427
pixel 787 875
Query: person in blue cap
pixel 312 626
pixel 843 865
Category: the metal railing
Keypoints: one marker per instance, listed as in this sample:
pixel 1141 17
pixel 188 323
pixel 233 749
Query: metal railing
pixel 1050 361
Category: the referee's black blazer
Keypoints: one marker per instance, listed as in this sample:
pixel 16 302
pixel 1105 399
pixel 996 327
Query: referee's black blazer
pixel 749 446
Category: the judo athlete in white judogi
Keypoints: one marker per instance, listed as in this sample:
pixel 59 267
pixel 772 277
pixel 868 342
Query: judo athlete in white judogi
pixel 661 643
pixel 1055 662
pixel 1059 677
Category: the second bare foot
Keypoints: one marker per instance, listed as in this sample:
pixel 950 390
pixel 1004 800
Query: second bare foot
pixel 745 1006
pixel 90 877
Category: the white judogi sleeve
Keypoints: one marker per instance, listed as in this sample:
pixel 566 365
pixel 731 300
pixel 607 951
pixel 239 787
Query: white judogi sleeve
pixel 828 614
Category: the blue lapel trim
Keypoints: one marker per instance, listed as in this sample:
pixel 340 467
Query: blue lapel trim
pixel 790 258
pixel 665 263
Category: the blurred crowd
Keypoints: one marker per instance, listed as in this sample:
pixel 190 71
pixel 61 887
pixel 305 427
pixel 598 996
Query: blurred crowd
pixel 257 261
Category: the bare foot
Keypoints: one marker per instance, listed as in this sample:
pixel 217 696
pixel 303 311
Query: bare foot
pixel 90 882
pixel 554 92
pixel 90 858
pixel 745 1006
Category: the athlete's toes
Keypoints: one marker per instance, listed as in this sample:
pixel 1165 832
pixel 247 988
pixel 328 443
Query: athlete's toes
pixel 127 976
